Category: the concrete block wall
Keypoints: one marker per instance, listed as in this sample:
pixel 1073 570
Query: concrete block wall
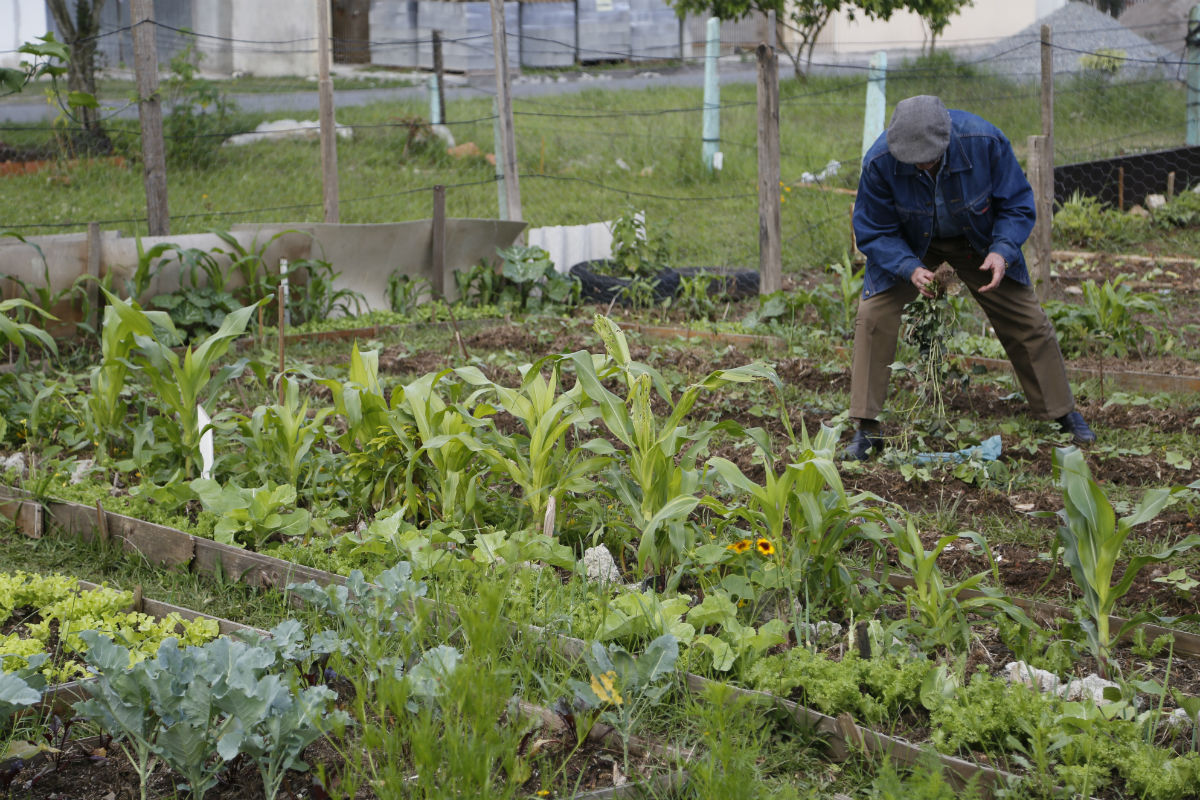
pixel 608 30
pixel 653 30
pixel 548 34
pixel 395 31
pixel 604 30
pixel 466 35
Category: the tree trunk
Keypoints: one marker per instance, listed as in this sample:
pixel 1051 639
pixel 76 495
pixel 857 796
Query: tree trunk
pixel 80 31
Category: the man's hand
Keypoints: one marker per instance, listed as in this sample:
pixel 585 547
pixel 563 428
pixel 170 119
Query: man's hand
pixel 923 279
pixel 996 264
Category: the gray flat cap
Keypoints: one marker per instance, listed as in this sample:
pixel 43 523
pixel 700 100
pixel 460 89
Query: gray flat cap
pixel 920 130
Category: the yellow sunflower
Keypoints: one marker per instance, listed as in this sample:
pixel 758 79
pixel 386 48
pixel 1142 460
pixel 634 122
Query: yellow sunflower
pixel 740 547
pixel 765 547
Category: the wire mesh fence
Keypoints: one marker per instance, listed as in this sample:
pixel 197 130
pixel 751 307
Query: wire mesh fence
pixel 591 144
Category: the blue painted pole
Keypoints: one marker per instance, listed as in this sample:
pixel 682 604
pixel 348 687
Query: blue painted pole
pixel 1193 77
pixel 712 96
pixel 876 100
pixel 435 102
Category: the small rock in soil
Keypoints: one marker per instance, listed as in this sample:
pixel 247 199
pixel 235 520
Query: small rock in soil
pixel 600 566
pixel 15 461
pixel 1090 688
pixel 1039 679
pixel 83 467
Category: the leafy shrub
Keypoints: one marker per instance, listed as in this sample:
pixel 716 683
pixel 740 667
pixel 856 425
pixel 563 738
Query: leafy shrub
pixel 1105 320
pixel 634 254
pixel 1181 211
pixel 200 115
pixel 1084 221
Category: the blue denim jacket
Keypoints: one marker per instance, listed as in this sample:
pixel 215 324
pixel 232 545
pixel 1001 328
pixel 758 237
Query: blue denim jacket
pixel 986 193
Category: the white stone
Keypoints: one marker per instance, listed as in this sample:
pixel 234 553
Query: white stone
pixel 823 630
pixel 599 565
pixel 15 461
pixel 286 129
pixel 1039 679
pixel 1178 720
pixel 443 133
pixel 83 467
pixel 1155 201
pixel 1090 688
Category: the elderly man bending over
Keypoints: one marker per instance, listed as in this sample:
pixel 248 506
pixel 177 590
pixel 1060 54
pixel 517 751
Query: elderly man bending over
pixel 944 186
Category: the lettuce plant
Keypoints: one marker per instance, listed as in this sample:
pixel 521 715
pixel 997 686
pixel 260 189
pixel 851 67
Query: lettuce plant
pixel 252 516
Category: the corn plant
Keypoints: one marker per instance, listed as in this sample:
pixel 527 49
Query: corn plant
pixel 282 435
pixel 447 444
pixel 657 479
pixel 181 383
pixel 106 410
pixel 359 400
pixel 940 610
pixel 844 295
pixel 806 498
pixel 18 333
pixel 540 461
pixel 1092 539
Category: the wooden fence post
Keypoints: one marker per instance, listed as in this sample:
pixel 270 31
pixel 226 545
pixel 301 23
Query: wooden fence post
pixel 95 256
pixel 329 170
pixel 439 74
pixel 154 153
pixel 770 247
pixel 438 250
pixel 508 139
pixel 1039 244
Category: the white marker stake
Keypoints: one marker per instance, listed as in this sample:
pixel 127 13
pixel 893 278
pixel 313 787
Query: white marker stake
pixel 283 283
pixel 203 421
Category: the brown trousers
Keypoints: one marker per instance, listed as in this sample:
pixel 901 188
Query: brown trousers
pixel 1013 309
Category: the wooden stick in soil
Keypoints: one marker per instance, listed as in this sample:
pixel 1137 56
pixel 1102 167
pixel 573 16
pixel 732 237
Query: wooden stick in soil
pixel 1170 185
pixel 279 303
pixel 101 522
pixel 1120 188
pixel 438 256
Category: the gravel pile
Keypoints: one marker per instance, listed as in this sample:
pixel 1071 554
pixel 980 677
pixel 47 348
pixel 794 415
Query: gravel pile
pixel 1163 22
pixel 1077 31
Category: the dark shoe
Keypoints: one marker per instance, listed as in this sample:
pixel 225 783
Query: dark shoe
pixel 1073 424
pixel 862 444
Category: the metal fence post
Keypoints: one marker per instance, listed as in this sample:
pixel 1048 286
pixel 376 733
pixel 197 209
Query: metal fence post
pixel 876 100
pixel 711 133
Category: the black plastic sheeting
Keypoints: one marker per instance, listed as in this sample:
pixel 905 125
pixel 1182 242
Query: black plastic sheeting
pixel 601 288
pixel 1145 174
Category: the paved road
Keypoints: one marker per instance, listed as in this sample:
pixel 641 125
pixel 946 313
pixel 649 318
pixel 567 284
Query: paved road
pixel 732 70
